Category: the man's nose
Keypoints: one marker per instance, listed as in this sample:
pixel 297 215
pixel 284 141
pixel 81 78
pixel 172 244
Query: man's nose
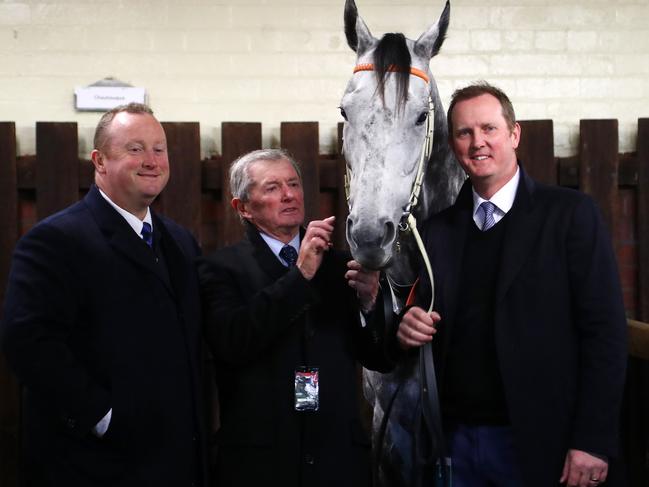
pixel 477 140
pixel 288 192
pixel 149 158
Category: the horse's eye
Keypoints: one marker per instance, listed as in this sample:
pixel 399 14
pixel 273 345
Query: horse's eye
pixel 342 112
pixel 422 118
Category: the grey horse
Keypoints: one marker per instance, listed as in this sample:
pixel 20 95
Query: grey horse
pixel 387 106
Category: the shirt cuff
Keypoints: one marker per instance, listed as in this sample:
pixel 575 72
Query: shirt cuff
pixel 100 428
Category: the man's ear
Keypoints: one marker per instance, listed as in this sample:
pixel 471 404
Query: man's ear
pixel 98 161
pixel 516 135
pixel 240 207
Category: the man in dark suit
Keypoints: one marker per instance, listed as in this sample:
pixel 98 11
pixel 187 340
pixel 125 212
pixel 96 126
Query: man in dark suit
pixel 529 323
pixel 102 325
pixel 285 330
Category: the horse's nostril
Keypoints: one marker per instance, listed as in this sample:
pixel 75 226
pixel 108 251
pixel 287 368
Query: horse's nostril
pixel 388 237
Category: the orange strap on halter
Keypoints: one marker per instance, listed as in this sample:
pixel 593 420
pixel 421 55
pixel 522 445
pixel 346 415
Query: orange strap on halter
pixel 392 68
pixel 412 295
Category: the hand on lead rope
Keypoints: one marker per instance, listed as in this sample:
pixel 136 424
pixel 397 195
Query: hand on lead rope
pixel 365 282
pixel 316 241
pixel 417 327
pixel 583 469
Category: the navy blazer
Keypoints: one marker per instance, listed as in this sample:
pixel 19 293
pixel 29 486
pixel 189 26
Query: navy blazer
pixel 262 321
pixel 94 319
pixel 560 324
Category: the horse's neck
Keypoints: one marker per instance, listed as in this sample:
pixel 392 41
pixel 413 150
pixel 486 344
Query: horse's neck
pixel 444 176
pixel 442 183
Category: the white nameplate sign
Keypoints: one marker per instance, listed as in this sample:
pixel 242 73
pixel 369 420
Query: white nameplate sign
pixel 107 97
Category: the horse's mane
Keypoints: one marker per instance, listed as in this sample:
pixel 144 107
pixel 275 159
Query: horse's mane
pixel 392 54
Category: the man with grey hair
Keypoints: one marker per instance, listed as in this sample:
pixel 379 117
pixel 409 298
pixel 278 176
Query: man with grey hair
pixel 285 332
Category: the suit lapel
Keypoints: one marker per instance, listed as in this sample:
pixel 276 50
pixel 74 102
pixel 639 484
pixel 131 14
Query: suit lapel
pixel 121 237
pixel 173 255
pixel 523 226
pixel 268 262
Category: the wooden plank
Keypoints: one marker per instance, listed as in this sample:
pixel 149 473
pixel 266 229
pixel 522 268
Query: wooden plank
pixel 598 165
pixel 86 174
pixel 238 138
pixel 643 219
pixel 9 390
pixel 536 150
pixel 211 209
pixel 627 174
pixel 301 139
pixel 626 244
pixel 569 171
pixel 57 166
pixel 638 339
pixel 181 200
pixel 8 200
pixel 212 177
pixel 26 172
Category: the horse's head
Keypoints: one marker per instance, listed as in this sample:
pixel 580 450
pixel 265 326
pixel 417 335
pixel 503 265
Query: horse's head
pixel 386 110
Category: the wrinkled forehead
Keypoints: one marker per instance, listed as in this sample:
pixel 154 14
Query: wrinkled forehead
pixel 264 170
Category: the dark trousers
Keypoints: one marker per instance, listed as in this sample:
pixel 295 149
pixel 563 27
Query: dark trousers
pixel 483 456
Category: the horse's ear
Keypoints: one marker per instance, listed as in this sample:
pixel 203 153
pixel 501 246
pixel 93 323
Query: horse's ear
pixel 358 35
pixel 430 42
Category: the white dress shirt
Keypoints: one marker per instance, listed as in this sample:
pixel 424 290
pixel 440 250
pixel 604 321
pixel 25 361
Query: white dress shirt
pixel 503 200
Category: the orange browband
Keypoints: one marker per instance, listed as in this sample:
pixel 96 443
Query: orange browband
pixel 370 67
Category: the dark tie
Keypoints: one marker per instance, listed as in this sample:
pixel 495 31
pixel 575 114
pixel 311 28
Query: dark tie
pixel 289 254
pixel 488 207
pixel 147 234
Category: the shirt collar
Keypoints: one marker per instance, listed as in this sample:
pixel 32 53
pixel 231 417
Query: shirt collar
pixel 135 223
pixel 503 198
pixel 276 245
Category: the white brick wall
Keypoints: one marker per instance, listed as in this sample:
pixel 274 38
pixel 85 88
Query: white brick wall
pixel 285 60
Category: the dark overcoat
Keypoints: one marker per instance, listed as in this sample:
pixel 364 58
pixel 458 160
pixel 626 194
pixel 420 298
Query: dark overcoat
pixel 560 326
pixel 262 321
pixel 94 319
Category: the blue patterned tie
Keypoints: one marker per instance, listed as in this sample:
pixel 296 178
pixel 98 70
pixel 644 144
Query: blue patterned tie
pixel 289 254
pixel 488 207
pixel 147 234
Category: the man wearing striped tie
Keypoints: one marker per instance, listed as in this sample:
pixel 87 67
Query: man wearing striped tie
pixel 286 334
pixel 529 326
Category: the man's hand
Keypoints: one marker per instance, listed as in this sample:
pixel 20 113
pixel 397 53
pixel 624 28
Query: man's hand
pixel 365 282
pixel 316 241
pixel 583 469
pixel 417 327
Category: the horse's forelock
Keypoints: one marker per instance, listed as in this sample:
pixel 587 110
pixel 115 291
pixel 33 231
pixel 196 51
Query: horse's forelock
pixel 392 50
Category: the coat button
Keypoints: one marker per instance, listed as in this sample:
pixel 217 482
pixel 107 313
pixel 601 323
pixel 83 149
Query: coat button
pixel 71 423
pixel 308 459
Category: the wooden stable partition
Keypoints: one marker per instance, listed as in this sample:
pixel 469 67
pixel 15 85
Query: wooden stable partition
pixel 33 187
